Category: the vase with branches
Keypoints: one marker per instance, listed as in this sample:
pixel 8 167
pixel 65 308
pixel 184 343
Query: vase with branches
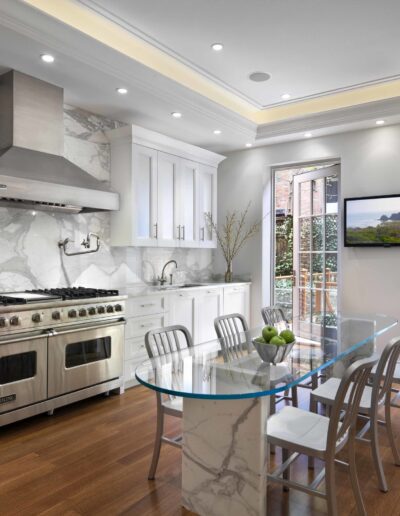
pixel 232 234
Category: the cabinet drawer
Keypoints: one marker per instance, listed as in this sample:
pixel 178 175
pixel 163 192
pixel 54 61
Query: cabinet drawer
pixel 233 290
pixel 135 349
pixel 137 306
pixel 139 326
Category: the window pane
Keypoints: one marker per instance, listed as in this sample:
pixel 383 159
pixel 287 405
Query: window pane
pixel 305 225
pixel 331 271
pixel 332 195
pixel 80 353
pixel 317 233
pixel 14 368
pixel 304 304
pixel 305 270
pixel 317 270
pixel 318 196
pixel 331 232
pixel 317 304
pixel 305 198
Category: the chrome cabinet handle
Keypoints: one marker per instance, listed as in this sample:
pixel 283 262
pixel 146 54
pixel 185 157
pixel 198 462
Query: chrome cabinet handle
pixel 156 230
pixel 147 304
pixel 179 232
pixel 148 325
pixel 183 231
pixel 202 234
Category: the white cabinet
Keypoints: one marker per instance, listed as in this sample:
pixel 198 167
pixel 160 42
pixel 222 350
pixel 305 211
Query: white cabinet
pixel 208 306
pixel 182 310
pixel 165 188
pixel 237 300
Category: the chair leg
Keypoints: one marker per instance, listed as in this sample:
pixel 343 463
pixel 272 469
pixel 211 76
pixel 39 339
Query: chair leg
pixel 389 429
pixel 286 473
pixel 313 408
pixel 314 381
pixel 295 400
pixel 330 486
pixel 272 410
pixel 354 477
pixel 376 456
pixel 157 442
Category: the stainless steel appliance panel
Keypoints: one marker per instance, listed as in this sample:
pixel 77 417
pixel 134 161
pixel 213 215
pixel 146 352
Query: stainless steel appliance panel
pixel 79 357
pixel 23 371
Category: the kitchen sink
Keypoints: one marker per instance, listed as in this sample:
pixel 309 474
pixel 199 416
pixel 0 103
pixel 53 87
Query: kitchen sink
pixel 190 285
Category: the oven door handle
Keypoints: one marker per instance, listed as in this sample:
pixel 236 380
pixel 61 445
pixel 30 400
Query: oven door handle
pixel 14 339
pixel 55 332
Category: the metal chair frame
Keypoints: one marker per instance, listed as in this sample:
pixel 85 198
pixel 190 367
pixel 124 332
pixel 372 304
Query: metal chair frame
pixel 158 343
pixel 341 431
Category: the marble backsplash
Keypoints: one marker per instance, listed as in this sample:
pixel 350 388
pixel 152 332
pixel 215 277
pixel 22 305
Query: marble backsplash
pixel 29 254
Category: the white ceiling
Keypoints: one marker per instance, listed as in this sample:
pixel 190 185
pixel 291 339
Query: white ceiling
pixel 309 47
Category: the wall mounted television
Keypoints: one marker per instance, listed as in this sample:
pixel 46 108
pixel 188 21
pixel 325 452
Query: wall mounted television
pixel 372 221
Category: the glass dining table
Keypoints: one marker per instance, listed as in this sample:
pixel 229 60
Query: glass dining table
pixel 226 389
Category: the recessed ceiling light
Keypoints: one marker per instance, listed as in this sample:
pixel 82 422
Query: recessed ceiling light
pixel 307 135
pixel 380 122
pixel 122 91
pixel 285 96
pixel 176 114
pixel 217 47
pixel 47 58
pixel 259 76
pixel 249 145
pixel 217 131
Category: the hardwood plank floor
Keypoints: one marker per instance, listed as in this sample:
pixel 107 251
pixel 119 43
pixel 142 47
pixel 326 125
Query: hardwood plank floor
pixel 92 458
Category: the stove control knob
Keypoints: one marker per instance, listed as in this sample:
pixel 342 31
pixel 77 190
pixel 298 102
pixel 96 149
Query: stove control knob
pixel 110 309
pixel 56 315
pixel 72 313
pixel 14 320
pixel 101 310
pixel 92 310
pixel 118 308
pixel 3 322
pixel 36 318
pixel 82 312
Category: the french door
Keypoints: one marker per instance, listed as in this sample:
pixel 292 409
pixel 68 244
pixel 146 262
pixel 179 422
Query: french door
pixel 315 248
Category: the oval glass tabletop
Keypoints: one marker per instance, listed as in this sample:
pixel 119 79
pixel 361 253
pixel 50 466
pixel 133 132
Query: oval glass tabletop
pixel 232 369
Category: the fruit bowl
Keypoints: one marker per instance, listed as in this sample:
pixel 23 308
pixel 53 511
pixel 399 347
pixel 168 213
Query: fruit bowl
pixel 272 353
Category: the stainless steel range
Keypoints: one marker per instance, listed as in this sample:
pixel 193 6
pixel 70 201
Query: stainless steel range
pixel 58 346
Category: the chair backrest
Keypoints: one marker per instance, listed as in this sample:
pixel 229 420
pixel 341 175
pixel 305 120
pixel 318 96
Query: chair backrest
pixel 229 329
pixel 383 377
pixel 274 316
pixel 167 340
pixel 345 408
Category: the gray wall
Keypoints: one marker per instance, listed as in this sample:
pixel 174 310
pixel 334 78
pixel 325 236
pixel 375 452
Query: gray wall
pixel 370 165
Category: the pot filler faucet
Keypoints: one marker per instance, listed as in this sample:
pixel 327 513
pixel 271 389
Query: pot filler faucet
pixel 163 278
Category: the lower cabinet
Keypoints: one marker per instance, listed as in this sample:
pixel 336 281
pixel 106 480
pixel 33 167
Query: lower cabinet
pixel 208 306
pixel 237 300
pixel 182 310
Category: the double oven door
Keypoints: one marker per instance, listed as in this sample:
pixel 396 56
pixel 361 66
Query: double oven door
pixel 38 366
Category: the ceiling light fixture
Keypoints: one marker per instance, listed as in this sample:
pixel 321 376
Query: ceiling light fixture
pixel 307 135
pixel 47 58
pixel 122 91
pixel 217 131
pixel 285 96
pixel 380 122
pixel 217 47
pixel 176 114
pixel 249 145
pixel 259 76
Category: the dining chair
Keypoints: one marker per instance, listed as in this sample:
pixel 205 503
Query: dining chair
pixel 276 316
pixel 373 398
pixel 307 433
pixel 159 342
pixel 231 330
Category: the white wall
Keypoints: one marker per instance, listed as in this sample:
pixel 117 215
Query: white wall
pixel 370 165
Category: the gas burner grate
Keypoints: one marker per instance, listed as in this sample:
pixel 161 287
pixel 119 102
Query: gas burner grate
pixel 76 292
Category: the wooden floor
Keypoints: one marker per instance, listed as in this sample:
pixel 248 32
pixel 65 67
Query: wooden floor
pixel 92 458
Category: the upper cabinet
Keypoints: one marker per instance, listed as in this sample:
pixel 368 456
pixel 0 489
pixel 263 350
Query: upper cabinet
pixel 165 187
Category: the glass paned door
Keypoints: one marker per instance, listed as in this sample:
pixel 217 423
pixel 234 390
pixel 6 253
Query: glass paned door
pixel 315 248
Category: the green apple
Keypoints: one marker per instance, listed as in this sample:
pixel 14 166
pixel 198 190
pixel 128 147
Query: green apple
pixel 287 335
pixel 260 340
pixel 278 341
pixel 268 332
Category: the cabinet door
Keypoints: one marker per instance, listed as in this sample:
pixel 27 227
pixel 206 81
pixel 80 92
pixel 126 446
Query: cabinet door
pixel 145 198
pixel 187 203
pixel 207 203
pixel 181 310
pixel 168 169
pixel 237 300
pixel 208 306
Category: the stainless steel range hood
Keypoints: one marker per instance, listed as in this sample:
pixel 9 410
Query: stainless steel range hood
pixel 33 172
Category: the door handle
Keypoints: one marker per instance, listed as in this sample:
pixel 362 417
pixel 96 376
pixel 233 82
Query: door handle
pixel 294 277
pixel 179 232
pixel 156 230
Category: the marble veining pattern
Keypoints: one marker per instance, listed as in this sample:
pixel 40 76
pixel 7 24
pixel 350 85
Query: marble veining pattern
pixel 224 459
pixel 30 257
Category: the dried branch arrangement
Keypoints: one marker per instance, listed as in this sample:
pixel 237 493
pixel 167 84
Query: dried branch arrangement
pixel 232 235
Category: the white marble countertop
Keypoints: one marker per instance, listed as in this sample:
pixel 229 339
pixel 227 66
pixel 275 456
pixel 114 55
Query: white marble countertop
pixel 141 289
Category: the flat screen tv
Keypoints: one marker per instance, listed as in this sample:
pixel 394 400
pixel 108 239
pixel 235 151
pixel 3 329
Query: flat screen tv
pixel 372 221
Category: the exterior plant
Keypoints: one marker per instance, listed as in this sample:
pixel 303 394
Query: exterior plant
pixel 232 234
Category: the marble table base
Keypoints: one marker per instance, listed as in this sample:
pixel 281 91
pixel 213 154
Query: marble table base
pixel 224 456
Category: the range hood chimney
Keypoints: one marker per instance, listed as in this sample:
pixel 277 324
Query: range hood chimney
pixel 33 172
